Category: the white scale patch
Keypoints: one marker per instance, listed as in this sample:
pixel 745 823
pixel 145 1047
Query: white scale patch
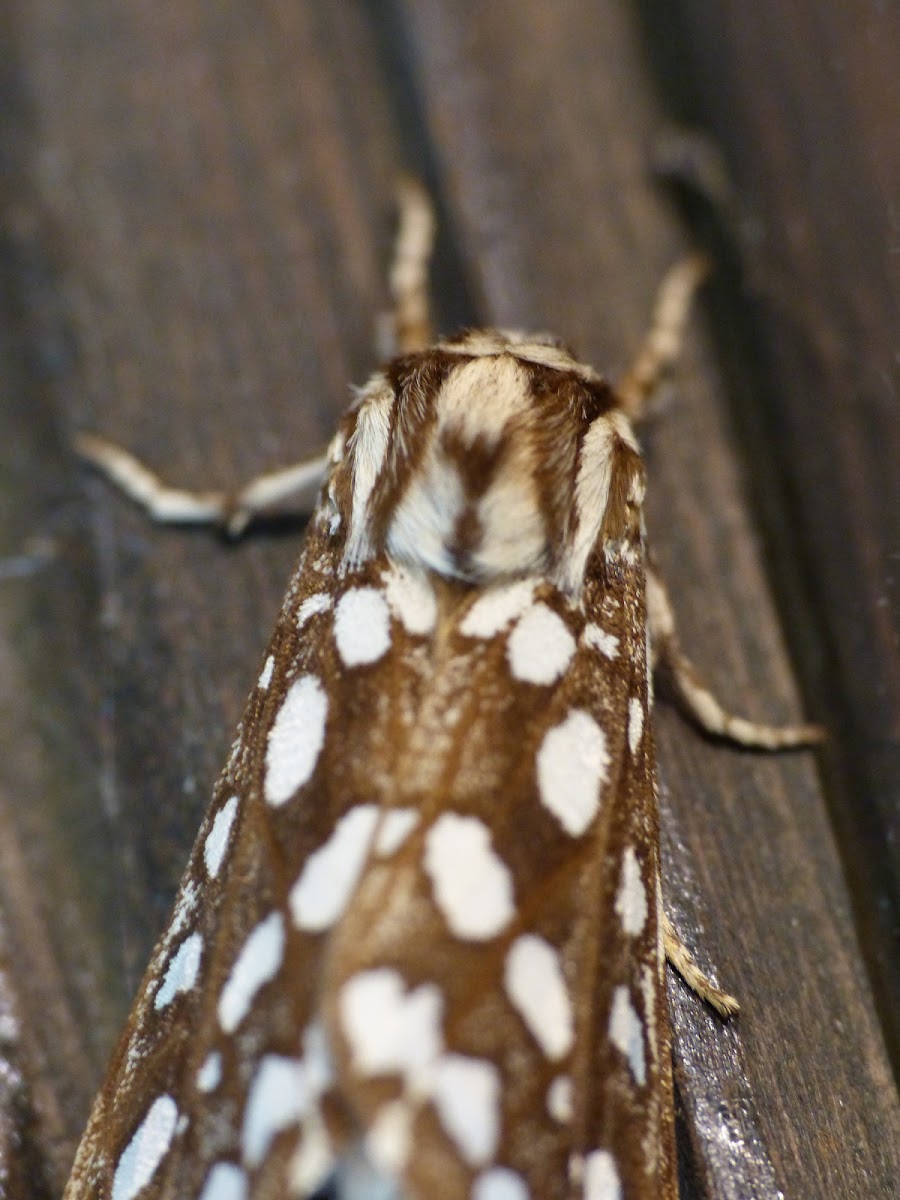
pixel 295 739
pixel 472 885
pixel 217 839
pixel 258 962
pixel 265 677
pixel 599 639
pixel 571 769
pixel 635 724
pixel 278 1099
pixel 540 647
pixel 601 1179
pixel 394 1032
pixel 500 1183
pixel 358 1177
pixel 210 1074
pixel 182 971
pixel 318 602
pixel 394 828
pixel 330 874
pixel 389 1139
pixel 225 1182
pixel 389 1030
pixel 627 1034
pixel 536 987
pixel 146 1150
pixel 631 901
pixel 362 626
pixel 184 910
pixel 560 1101
pixel 411 598
pixel 313 1158
pixel 496 608
pixel 466 1096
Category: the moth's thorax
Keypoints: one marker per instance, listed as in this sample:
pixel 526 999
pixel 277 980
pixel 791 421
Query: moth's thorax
pixel 485 458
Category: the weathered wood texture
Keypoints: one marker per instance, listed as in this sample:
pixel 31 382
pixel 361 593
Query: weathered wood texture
pixel 195 216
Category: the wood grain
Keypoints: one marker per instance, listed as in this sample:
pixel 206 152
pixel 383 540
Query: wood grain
pixel 196 216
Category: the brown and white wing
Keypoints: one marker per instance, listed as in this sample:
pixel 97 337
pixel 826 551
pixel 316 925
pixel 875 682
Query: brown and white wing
pixel 493 991
pixel 223 1054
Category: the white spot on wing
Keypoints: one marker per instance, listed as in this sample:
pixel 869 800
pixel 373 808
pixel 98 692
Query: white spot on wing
pixel 411 598
pixel 537 988
pixel 466 1097
pixel 540 647
pixel 389 1140
pixel 313 1159
pixel 278 1098
pixel 295 739
pixel 500 1183
pixel 181 974
pixel 146 1150
pixel 329 875
pixel 390 1031
pixel 571 768
pixel 210 1074
pixel 626 1033
pixel 601 1179
pixel 599 639
pixel 357 1177
pixel 635 723
pixel 258 962
pixel 265 677
pixel 631 901
pixel 472 886
pixel 317 1059
pixel 362 626
pixel 559 1099
pixel 318 602
pixel 496 607
pixel 184 910
pixel 394 828
pixel 217 838
pixel 225 1182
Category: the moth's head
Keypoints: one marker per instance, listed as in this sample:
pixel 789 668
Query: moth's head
pixel 487 457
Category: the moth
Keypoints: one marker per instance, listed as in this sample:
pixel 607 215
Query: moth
pixel 419 948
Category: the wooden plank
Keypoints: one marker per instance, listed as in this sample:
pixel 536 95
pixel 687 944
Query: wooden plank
pixel 804 102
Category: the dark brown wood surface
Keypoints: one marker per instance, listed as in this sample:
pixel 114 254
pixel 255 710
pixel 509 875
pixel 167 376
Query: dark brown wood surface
pixel 195 213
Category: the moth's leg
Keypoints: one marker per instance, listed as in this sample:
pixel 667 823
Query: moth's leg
pixel 409 324
pixel 291 488
pixel 665 337
pixel 683 961
pixel 678 674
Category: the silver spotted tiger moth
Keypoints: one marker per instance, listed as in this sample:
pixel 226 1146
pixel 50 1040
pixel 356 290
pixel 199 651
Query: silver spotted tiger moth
pixel 419 948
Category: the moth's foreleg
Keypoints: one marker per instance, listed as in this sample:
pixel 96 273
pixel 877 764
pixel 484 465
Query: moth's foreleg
pixel 410 322
pixel 665 337
pixel 294 487
pixel 680 678
pixel 683 961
